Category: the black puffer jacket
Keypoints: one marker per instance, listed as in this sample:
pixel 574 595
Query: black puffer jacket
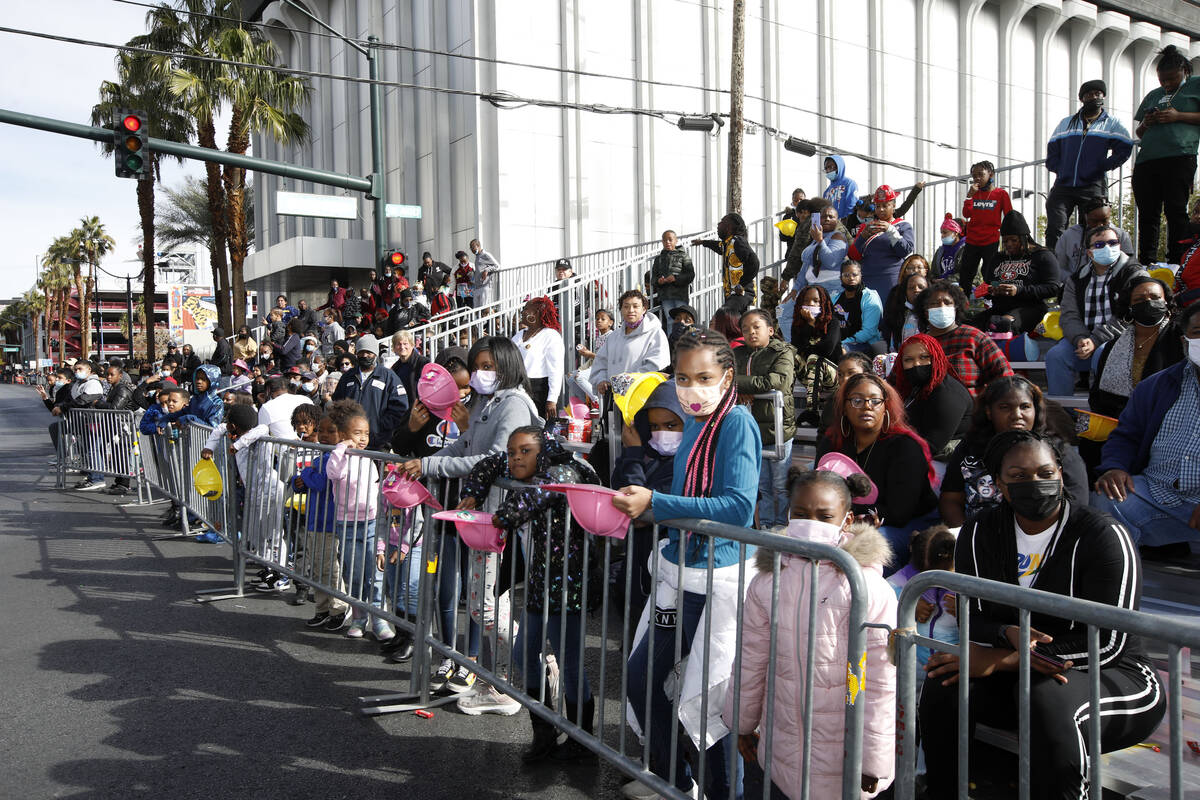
pixel 120 395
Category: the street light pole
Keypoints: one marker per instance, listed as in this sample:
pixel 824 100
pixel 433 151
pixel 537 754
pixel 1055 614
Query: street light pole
pixel 378 192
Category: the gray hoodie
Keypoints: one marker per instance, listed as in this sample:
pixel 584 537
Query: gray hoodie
pixel 642 350
pixel 492 421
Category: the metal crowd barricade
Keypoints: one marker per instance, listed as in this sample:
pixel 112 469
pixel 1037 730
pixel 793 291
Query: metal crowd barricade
pixel 1174 632
pixel 337 559
pixel 104 441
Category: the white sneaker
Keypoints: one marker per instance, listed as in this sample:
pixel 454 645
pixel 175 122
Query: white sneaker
pixel 382 631
pixel 552 682
pixel 355 631
pixel 488 701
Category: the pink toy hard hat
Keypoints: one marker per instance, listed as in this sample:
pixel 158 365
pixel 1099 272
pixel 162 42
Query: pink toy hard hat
pixel 401 491
pixel 437 389
pixel 843 465
pixel 592 508
pixel 476 529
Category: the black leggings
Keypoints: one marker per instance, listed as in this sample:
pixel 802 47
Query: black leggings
pixel 541 391
pixel 1132 701
pixel 973 255
pixel 1160 188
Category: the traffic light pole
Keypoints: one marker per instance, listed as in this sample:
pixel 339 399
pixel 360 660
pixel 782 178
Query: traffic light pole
pixel 378 191
pixel 294 171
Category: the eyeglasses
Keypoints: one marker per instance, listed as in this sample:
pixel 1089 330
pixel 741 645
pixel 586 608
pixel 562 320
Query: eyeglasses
pixel 1109 243
pixel 859 402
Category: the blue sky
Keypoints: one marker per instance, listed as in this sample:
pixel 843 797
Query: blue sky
pixel 50 181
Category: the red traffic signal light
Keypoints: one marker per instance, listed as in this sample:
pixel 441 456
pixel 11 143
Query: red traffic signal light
pixel 129 146
pixel 397 258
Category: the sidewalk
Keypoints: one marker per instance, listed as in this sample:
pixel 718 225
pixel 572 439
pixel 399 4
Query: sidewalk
pixel 117 684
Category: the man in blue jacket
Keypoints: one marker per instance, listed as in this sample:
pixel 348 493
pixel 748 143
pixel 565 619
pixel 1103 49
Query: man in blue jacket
pixel 842 192
pixel 377 389
pixel 1082 150
pixel 1150 479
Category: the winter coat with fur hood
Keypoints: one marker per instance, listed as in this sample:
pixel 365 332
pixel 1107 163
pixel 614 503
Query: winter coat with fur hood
pixel 868 546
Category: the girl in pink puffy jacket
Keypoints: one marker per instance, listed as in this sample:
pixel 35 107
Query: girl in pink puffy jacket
pixel 820 512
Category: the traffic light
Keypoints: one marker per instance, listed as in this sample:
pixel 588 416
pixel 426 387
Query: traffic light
pixel 394 259
pixel 130 155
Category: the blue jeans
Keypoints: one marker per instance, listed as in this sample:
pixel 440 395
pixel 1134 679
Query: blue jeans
pixel 667 307
pixel 899 535
pixel 452 563
pixel 401 581
pixel 1062 366
pixel 363 581
pixel 531 638
pixel 773 500
pixel 1148 522
pixel 652 660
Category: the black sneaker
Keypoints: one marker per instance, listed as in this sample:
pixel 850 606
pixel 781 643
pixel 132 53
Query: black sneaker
pixel 461 681
pixel 438 682
pixel 117 490
pixel 88 486
pixel 318 620
pixel 400 648
pixel 301 596
pixel 337 621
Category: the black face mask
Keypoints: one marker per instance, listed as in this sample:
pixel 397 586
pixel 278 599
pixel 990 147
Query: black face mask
pixel 1035 499
pixel 920 375
pixel 366 361
pixel 1149 312
pixel 1092 106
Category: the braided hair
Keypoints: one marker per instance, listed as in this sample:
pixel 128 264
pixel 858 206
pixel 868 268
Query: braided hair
pixel 701 460
pixel 1001 443
pixel 991 168
pixel 825 319
pixel 1172 58
pixel 546 311
pixel 939 362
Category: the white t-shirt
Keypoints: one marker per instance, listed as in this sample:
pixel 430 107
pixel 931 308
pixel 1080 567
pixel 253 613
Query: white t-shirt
pixel 276 414
pixel 543 356
pixel 1031 549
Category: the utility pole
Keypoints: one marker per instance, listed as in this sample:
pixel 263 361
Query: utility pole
pixel 737 90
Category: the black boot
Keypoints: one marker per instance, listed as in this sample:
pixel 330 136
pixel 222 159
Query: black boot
pixel 545 737
pixel 584 717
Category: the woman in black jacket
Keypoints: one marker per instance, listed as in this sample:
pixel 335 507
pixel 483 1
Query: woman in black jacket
pixel 1020 279
pixel 817 337
pixel 1036 538
pixel 938 405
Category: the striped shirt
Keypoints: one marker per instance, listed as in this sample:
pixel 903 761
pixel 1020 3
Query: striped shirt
pixel 1096 308
pixel 1174 469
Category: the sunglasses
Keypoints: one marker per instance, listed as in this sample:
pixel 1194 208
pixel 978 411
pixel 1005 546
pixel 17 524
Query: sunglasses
pixel 1109 243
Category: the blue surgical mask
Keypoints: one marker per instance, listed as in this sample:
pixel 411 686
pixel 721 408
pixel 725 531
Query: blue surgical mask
pixel 1106 255
pixel 942 317
pixel 831 176
pixel 949 240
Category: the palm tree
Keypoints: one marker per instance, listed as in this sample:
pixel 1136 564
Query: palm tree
pixel 92 243
pixel 192 30
pixel 35 307
pixel 64 255
pixel 261 101
pixel 139 89
pixel 184 218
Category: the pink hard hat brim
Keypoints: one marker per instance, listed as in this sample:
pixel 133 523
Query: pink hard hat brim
pixel 843 465
pixel 592 508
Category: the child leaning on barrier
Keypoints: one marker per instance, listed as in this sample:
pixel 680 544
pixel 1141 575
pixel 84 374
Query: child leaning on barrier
pixel 205 405
pixel 821 513
pixel 160 421
pixel 320 551
pixel 355 483
pixel 558 568
pixel 305 420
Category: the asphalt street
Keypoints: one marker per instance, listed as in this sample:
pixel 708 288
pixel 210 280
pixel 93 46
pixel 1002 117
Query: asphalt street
pixel 117 684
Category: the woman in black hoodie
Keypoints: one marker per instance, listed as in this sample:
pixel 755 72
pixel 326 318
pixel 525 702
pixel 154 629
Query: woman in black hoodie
pixel 1037 539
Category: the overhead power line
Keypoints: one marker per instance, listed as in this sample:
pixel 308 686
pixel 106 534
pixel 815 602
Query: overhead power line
pixel 499 99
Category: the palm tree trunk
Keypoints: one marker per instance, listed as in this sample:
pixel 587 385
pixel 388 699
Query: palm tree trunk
pixel 79 295
pixel 145 198
pixel 234 183
pixel 85 313
pixel 207 137
pixel 64 304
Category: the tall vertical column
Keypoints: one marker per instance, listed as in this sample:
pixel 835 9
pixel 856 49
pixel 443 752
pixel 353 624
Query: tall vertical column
pixel 643 97
pixel 874 89
pixel 968 10
pixel 1012 12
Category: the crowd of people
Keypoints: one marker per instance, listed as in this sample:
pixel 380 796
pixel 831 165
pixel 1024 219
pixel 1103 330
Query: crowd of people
pixel 930 454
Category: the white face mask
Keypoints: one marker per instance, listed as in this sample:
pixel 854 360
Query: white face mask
pixel 700 401
pixel 81 375
pixel 810 530
pixel 666 442
pixel 1194 351
pixel 941 317
pixel 308 387
pixel 485 381
pixel 814 310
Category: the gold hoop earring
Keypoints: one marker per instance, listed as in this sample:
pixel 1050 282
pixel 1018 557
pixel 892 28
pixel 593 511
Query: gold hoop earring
pixel 887 421
pixel 842 426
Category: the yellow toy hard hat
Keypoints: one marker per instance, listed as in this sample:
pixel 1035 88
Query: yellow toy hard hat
pixel 1165 275
pixel 1092 426
pixel 631 390
pixel 1049 327
pixel 207 479
pixel 787 227
pixel 297 502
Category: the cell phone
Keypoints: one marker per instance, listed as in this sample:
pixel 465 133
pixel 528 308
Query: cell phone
pixel 1047 659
